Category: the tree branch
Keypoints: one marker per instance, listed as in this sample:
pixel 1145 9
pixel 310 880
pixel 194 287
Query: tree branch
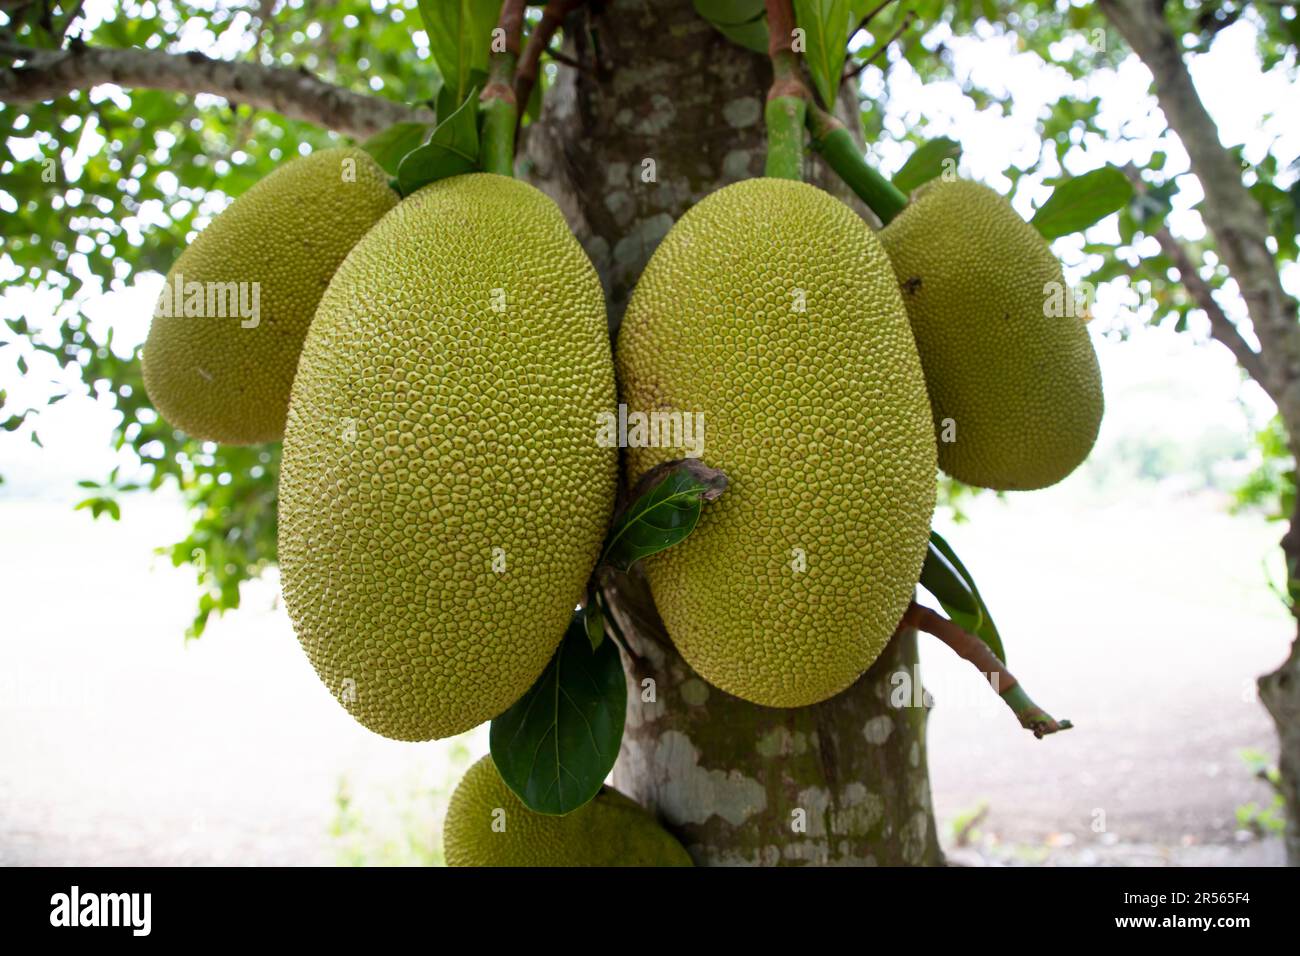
pixel 1239 225
pixel 1221 327
pixel 880 50
pixel 526 76
pixel 296 94
pixel 972 649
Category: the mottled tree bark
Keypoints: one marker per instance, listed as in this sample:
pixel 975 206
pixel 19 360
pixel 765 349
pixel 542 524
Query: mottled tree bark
pixel 669 100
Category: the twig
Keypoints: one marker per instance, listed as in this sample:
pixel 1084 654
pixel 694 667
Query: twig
pixel 569 61
pixel 293 93
pixel 879 51
pixel 971 648
pixel 871 15
pixel 539 42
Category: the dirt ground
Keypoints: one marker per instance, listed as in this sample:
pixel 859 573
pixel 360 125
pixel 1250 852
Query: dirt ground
pixel 120 744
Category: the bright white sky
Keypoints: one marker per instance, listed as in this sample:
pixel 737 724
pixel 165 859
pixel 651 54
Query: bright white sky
pixel 1260 111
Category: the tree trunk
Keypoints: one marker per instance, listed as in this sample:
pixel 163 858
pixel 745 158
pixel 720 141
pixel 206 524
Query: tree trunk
pixel 667 111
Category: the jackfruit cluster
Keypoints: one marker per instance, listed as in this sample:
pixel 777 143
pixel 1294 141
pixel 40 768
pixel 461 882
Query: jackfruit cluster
pixel 442 495
pixel 487 825
pixel 771 309
pixel 224 342
pixel 1014 384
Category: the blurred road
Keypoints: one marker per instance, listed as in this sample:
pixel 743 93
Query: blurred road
pixel 1144 624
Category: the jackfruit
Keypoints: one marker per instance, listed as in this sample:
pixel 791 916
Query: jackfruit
pixel 610 830
pixel 443 496
pixel 1011 372
pixel 224 342
pixel 771 309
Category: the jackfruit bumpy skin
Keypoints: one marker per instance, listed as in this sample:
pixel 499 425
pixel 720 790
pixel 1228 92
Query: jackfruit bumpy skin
pixel 771 308
pixel 610 830
pixel 211 376
pixel 1022 387
pixel 426 431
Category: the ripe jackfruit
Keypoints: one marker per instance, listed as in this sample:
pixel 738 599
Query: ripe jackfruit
pixel 771 309
pixel 1009 366
pixel 224 342
pixel 610 830
pixel 442 493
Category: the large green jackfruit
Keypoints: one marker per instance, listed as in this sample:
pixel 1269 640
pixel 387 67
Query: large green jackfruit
pixel 487 825
pixel 771 309
pixel 1011 372
pixel 224 342
pixel 442 494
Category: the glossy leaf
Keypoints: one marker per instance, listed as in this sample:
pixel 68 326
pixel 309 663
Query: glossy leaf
pixel 450 151
pixel 460 32
pixel 928 161
pixel 944 576
pixel 826 28
pixel 388 147
pixel 665 507
pixel 1079 202
pixel 559 741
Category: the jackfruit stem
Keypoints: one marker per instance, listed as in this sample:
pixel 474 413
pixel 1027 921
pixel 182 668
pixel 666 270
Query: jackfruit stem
pixel 832 139
pixel 971 648
pixel 497 101
pixel 785 121
pixel 787 99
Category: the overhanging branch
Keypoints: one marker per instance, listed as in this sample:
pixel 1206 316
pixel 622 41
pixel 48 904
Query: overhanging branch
pixel 296 94
pixel 1239 225
pixel 1222 328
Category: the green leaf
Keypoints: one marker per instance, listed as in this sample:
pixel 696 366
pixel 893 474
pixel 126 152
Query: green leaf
pixel 741 21
pixel 926 163
pixel 665 508
pixel 12 422
pixel 826 26
pixel 944 576
pixel 751 36
pixel 595 622
pixel 450 151
pixel 1079 202
pixel 559 741
pixel 730 12
pixel 391 145
pixel 460 32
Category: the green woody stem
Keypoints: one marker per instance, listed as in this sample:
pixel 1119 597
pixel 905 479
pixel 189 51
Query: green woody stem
pixel 787 99
pixel 835 143
pixel 497 101
pixel 970 648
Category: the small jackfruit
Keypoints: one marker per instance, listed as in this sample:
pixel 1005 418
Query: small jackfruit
pixel 443 495
pixel 487 825
pixel 224 342
pixel 1011 372
pixel 771 310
